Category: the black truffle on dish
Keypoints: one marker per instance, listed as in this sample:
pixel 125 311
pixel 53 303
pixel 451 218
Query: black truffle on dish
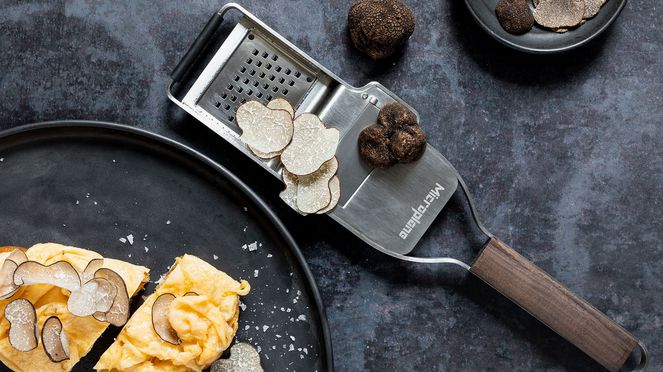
pixel 379 27
pixel 514 16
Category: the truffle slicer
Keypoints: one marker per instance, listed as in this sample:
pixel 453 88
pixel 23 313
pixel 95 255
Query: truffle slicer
pixel 253 62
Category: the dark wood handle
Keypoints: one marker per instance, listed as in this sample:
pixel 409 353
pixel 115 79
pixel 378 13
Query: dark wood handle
pixel 553 304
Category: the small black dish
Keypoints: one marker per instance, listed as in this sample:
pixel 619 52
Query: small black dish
pixel 539 40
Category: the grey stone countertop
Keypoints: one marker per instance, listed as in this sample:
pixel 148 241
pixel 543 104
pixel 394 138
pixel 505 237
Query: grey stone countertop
pixel 564 155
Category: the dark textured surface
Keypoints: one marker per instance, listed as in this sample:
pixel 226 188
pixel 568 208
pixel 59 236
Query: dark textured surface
pixel 563 153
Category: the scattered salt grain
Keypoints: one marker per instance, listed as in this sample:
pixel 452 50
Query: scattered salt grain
pixel 2 159
pixel 269 255
pixel 291 348
pixel 168 222
pixel 77 202
pixel 215 257
pixel 258 349
pixel 242 305
pixel 146 249
pixel 305 351
pixel 253 246
pixel 87 194
pixel 265 328
pixel 123 240
pixel 130 238
pixel 244 247
pixel 129 255
pixel 95 203
pixel 278 336
pixel 255 273
pixel 246 209
pixel 245 228
pixel 247 327
pixel 292 338
pixel 302 318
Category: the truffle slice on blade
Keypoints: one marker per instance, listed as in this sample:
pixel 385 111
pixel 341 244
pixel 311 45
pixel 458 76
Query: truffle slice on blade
pixel 160 322
pixel 55 340
pixel 559 13
pixel 23 328
pixel 289 195
pixel 281 104
pixel 313 193
pixel 60 274
pixel 335 189
pixel 312 145
pixel 263 129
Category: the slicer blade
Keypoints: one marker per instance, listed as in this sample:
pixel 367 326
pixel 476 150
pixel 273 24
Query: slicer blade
pixel 390 209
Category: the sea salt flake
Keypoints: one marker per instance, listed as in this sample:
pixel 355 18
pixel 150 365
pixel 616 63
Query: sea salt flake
pixel 129 255
pixel 302 318
pixel 244 247
pixel 255 273
pixel 269 255
pixel 278 336
pixel 123 240
pixel 242 305
pixel 146 249
pixel 258 349
pixel 246 327
pixel 130 238
pixel 95 203
pixel 168 222
pixel 77 202
pixel 305 351
pixel 215 257
pixel 253 246
pixel 292 338
pixel 265 328
pixel 291 348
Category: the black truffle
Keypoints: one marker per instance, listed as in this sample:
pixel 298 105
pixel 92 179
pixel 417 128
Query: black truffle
pixel 396 138
pixel 514 16
pixel 379 27
pixel 374 147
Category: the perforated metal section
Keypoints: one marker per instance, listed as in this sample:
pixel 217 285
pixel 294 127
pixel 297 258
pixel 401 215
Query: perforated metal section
pixel 255 71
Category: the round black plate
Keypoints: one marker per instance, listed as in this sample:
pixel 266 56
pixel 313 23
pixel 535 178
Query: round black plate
pixel 539 40
pixel 89 184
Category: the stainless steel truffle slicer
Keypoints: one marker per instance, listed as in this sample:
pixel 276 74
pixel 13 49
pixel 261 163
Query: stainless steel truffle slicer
pixel 229 64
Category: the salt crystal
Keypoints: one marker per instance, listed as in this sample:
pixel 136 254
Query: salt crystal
pixel 64 225
pixel 244 247
pixel 246 209
pixel 130 238
pixel 215 257
pixel 305 351
pixel 269 255
pixel 253 246
pixel 245 228
pixel 77 202
pixel 301 356
pixel 168 222
pixel 274 347
pixel 258 348
pixel 278 336
pixel 288 310
pixel 95 203
pixel 292 338
pixel 129 255
pixel 301 318
pixel 291 348
pixel 2 159
pixel 294 300
pixel 242 305
pixel 123 240
pixel 247 327
pixel 265 328
pixel 146 249
pixel 87 194
pixel 255 273
pixel 113 160
pixel 266 356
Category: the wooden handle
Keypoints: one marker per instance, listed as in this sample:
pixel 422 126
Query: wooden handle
pixel 553 304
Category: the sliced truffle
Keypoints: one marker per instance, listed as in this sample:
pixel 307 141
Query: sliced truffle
pixel 559 14
pixel 592 8
pixel 60 274
pixel 312 144
pixel 264 130
pixel 96 295
pixel 160 322
pixel 7 285
pixel 374 146
pixel 514 16
pixel 54 340
pixel 335 188
pixel 92 266
pixel 243 358
pixel 289 195
pixel 313 193
pixel 23 329
pixel 380 27
pixel 118 314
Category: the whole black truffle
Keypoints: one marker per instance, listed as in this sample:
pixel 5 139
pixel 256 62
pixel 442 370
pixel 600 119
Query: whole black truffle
pixel 379 27
pixel 514 16
pixel 374 147
pixel 397 138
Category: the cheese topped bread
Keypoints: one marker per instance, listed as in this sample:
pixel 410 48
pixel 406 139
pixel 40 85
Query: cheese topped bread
pixel 201 313
pixel 50 301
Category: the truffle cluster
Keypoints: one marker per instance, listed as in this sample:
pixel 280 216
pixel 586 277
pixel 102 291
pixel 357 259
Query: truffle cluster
pixel 379 27
pixel 396 138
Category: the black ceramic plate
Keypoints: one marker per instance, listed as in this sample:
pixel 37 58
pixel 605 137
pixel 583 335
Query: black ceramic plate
pixel 539 40
pixel 89 184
